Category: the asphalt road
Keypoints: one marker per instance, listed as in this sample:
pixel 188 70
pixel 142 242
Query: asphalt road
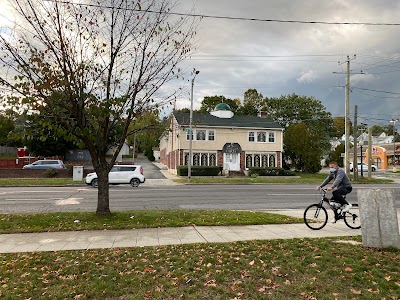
pixel 124 197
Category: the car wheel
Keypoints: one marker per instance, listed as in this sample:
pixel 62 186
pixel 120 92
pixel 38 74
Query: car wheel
pixel 95 182
pixel 135 182
pixel 373 169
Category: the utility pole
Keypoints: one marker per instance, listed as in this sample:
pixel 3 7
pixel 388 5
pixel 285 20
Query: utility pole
pixel 355 131
pixel 394 143
pixel 346 117
pixel 190 161
pixel 369 152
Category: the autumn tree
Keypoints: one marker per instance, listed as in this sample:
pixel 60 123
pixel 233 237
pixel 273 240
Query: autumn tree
pixel 88 68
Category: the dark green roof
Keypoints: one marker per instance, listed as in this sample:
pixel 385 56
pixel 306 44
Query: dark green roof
pixel 235 121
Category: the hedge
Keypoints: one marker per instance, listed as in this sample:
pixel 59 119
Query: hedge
pixel 271 171
pixel 199 171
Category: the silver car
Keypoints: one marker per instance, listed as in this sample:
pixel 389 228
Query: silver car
pixel 120 174
pixel 46 164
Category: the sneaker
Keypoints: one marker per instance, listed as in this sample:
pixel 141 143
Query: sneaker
pixel 333 221
pixel 346 207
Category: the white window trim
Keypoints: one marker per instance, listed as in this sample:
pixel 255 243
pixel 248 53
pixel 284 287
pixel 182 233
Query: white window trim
pixel 207 135
pixel 267 133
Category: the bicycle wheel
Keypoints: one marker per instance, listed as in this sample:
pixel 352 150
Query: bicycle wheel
pixel 315 217
pixel 352 217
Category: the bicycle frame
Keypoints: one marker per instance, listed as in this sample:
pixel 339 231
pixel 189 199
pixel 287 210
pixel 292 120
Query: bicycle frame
pixel 336 211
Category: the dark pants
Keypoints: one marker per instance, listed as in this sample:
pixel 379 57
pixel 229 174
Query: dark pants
pixel 339 192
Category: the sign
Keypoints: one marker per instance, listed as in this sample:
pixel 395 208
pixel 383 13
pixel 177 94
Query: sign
pixel 187 130
pixel 342 154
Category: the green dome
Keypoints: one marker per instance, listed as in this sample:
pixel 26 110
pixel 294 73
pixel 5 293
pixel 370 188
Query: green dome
pixel 222 106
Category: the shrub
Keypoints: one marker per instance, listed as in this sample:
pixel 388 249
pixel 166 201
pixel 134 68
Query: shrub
pixel 199 170
pixel 270 172
pixel 50 173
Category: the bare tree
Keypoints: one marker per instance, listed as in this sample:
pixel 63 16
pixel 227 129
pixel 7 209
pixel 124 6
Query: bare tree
pixel 89 68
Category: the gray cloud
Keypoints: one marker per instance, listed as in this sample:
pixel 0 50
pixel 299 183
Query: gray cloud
pixel 226 49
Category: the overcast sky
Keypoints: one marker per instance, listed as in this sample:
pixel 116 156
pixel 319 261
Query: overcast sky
pixel 283 58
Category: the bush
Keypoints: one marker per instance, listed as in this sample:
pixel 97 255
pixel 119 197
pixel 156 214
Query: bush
pixel 51 173
pixel 270 172
pixel 199 170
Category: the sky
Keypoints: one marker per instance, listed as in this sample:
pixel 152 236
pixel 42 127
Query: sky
pixel 281 58
pixel 278 58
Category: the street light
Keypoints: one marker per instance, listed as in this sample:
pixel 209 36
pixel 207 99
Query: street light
pixel 394 143
pixel 363 126
pixel 190 128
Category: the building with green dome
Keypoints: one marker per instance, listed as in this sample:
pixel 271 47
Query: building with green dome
pixel 220 138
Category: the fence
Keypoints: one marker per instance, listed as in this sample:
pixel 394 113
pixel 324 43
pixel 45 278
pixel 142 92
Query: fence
pixel 8 151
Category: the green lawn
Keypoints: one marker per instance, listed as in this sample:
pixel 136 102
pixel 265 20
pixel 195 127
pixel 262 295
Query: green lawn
pixel 38 181
pixel 12 223
pixel 276 269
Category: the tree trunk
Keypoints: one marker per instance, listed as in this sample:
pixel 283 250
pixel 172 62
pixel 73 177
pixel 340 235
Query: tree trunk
pixel 103 201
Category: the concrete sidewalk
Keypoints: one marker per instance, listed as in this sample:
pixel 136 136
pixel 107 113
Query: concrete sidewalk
pixel 96 239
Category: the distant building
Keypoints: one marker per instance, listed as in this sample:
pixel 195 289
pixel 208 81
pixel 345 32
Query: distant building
pixel 222 139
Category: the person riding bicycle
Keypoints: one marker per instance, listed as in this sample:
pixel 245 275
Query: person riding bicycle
pixel 341 185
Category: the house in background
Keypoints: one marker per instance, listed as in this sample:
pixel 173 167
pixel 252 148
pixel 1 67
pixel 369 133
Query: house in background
pixel 222 139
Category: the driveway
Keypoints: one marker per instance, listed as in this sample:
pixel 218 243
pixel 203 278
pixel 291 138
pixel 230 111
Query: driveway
pixel 150 170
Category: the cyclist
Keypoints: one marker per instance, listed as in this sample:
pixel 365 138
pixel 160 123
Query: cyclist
pixel 341 186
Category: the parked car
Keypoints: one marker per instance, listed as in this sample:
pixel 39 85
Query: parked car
pixel 120 174
pixel 46 164
pixel 364 167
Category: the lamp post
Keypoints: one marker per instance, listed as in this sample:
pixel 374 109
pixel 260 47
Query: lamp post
pixel 190 128
pixel 363 126
pixel 394 143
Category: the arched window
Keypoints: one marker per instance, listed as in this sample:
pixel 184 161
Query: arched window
pixel 204 159
pixel 272 161
pixel 264 161
pixel 213 160
pixel 257 160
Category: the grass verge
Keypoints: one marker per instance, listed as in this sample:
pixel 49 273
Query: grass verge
pixel 13 223
pixel 275 269
pixel 37 181
pixel 301 178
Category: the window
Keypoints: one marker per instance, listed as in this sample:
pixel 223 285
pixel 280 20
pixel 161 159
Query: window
pixel 271 137
pixel 188 135
pixel 196 159
pixel 261 136
pixel 272 161
pixel 264 161
pixel 249 161
pixel 201 159
pixel 200 135
pixel 211 135
pixel 213 160
pixel 251 136
pixel 260 160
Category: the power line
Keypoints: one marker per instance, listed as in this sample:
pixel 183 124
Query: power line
pixel 227 17
pixel 385 92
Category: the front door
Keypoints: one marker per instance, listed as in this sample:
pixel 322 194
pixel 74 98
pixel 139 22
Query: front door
pixel 232 161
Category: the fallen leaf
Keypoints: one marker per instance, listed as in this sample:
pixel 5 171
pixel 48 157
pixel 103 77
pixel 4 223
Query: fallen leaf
pixel 373 292
pixel 348 269
pixel 251 263
pixel 355 292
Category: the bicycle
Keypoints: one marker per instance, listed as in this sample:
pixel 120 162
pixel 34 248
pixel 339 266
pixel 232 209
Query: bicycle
pixel 316 216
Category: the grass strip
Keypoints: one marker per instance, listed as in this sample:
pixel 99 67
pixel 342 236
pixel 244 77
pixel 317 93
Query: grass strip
pixel 276 269
pixel 65 221
pixel 38 181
